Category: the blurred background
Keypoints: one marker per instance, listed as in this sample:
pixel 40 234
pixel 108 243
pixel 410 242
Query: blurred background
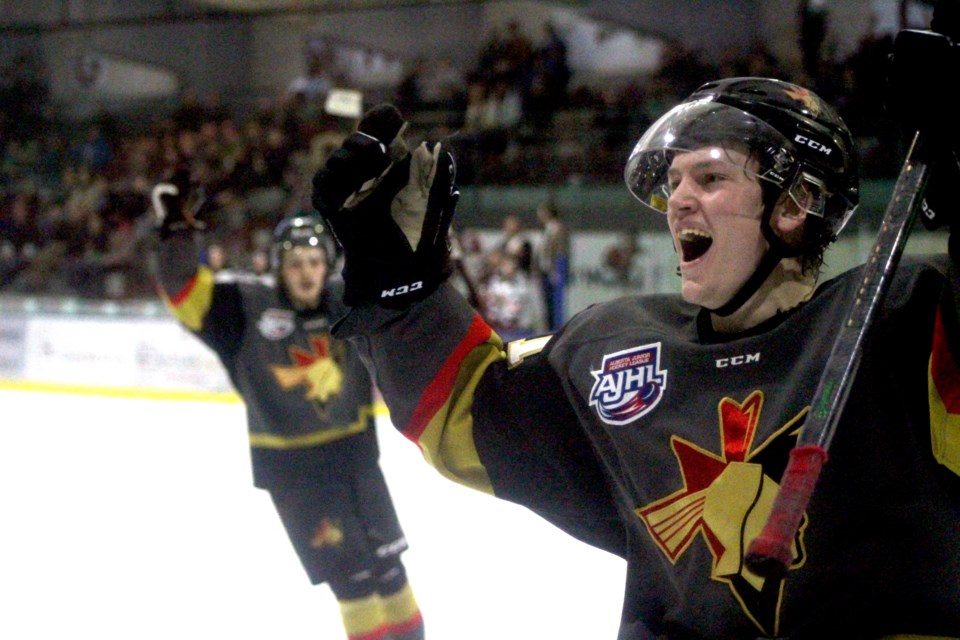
pixel 541 101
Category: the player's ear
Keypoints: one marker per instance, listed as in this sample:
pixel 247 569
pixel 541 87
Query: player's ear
pixel 788 216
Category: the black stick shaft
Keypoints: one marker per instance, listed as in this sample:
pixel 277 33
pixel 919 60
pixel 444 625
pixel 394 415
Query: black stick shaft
pixel 771 552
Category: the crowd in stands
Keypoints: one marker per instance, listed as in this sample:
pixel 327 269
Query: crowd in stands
pixel 518 277
pixel 75 217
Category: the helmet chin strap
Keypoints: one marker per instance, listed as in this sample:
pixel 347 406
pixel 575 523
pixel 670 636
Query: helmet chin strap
pixel 769 262
pixel 778 251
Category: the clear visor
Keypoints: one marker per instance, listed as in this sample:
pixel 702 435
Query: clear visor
pixel 707 125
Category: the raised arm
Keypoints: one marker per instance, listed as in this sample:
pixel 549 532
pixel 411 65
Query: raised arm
pixel 390 210
pixel 492 418
pixel 919 101
pixel 186 282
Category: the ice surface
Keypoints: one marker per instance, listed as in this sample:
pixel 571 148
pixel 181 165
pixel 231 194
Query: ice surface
pixel 129 519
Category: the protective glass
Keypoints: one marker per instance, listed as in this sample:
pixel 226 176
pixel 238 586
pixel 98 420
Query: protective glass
pixel 705 124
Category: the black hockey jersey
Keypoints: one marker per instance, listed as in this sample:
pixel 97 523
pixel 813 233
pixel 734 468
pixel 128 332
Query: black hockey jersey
pixel 638 429
pixel 309 399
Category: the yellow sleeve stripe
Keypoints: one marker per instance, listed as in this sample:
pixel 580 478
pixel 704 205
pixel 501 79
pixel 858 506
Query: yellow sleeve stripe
pixel 446 436
pixel 943 390
pixel 944 431
pixel 192 304
pixel 277 441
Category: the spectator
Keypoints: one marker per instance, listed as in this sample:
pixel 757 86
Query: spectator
pixel 110 258
pixel 619 258
pixel 515 241
pixel 44 273
pixel 190 114
pixel 315 84
pixel 216 257
pixel 95 151
pixel 259 262
pixel 467 274
pixel 553 263
pixel 509 300
pixel 19 234
pixel 546 90
pixel 813 18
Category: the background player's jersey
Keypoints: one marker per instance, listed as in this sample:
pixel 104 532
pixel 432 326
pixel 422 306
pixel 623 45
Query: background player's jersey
pixel 684 434
pixel 309 399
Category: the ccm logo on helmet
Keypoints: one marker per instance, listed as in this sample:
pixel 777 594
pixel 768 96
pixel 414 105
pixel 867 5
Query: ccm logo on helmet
pixel 399 291
pixel 813 144
pixel 736 361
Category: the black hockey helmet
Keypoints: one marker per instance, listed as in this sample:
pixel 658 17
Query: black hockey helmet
pixel 299 231
pixel 801 144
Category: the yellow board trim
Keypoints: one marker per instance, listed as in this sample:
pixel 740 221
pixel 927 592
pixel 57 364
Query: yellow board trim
pixel 227 397
pixel 176 395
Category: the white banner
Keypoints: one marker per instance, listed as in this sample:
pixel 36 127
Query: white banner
pixel 12 333
pixel 122 353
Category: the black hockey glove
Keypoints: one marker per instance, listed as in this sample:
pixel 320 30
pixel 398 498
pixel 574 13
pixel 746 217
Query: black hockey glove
pixel 390 211
pixel 919 100
pixel 940 206
pixel 178 204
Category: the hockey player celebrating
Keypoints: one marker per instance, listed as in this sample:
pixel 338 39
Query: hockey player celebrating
pixel 309 404
pixel 658 427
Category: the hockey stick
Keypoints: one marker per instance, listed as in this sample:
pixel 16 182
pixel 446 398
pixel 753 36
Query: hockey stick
pixel 770 553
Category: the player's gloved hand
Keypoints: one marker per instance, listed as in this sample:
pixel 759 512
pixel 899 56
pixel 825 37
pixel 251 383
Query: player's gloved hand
pixel 390 211
pixel 918 100
pixel 916 95
pixel 939 207
pixel 177 204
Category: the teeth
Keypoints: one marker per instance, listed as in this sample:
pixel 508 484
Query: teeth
pixel 693 243
pixel 692 234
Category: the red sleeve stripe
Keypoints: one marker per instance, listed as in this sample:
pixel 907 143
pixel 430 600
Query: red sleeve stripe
pixel 944 369
pixel 438 391
pixel 178 299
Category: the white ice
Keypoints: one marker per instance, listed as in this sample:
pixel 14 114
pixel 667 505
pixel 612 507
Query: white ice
pixel 129 519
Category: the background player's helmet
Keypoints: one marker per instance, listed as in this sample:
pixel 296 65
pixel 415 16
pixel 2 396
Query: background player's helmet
pixel 799 142
pixel 299 231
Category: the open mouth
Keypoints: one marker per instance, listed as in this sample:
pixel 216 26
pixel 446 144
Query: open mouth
pixel 693 243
